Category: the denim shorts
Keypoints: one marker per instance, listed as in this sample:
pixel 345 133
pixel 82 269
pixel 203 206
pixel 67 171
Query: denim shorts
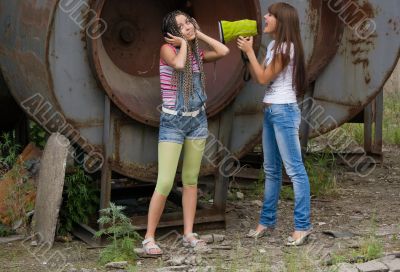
pixel 177 128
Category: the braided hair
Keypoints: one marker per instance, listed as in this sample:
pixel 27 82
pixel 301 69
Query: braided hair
pixel 184 77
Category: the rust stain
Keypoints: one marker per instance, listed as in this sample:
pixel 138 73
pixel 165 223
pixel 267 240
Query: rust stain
pixel 357 41
pixel 394 23
pixel 329 33
pixel 312 13
pixel 368 9
pixel 365 62
pixel 32 67
pixel 32 16
pixel 359 51
pixel 143 172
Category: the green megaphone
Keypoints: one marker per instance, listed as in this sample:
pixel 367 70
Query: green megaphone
pixel 229 31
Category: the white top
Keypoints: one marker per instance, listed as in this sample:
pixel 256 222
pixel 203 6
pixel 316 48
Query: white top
pixel 281 90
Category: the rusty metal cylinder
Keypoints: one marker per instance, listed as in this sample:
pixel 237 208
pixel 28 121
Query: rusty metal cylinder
pixel 60 59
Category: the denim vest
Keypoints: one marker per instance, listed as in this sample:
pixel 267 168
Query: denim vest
pixel 196 100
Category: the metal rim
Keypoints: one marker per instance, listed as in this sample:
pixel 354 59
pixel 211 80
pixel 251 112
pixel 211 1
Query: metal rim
pixel 141 107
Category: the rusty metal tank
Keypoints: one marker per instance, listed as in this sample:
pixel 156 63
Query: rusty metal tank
pixel 74 53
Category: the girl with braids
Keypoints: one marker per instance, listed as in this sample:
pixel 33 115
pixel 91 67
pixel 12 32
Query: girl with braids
pixel 283 74
pixel 183 121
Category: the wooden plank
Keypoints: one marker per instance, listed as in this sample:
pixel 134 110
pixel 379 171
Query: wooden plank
pixel 50 188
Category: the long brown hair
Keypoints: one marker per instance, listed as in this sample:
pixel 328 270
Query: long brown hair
pixel 184 77
pixel 288 31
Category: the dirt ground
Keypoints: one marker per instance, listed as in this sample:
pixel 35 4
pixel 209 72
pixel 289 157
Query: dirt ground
pixel 362 206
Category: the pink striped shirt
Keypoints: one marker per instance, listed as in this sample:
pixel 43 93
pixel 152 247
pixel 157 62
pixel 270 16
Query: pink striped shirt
pixel 168 92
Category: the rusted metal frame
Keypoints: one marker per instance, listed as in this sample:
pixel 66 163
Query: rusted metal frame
pixel 144 190
pixel 368 116
pixel 222 181
pixel 105 184
pixel 86 234
pixel 373 114
pixel 105 194
pixel 378 124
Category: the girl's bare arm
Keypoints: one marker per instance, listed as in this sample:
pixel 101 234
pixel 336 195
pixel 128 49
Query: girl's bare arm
pixel 177 61
pixel 263 75
pixel 218 51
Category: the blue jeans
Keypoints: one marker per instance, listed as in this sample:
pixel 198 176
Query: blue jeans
pixel 281 143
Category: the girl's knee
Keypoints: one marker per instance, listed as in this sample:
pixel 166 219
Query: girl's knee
pixel 164 188
pixel 189 180
pixel 296 170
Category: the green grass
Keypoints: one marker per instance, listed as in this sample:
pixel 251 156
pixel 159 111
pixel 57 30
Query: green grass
pixel 321 173
pixel 391 122
pixel 287 193
pixel 391 118
pixel 80 200
pixel 320 168
pixel 121 234
pixel 370 247
pixel 5 231
pixel 9 151
pixel 299 260
pixel 258 188
pixel 355 131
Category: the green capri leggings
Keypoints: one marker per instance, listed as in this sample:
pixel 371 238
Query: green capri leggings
pixel 168 158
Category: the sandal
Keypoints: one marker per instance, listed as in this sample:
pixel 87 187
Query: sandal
pixel 301 241
pixel 148 248
pixel 258 234
pixel 195 243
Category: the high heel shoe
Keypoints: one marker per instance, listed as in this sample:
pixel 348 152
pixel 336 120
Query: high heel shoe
pixel 258 234
pixel 301 241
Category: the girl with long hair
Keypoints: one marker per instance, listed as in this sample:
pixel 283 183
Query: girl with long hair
pixel 284 75
pixel 183 121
